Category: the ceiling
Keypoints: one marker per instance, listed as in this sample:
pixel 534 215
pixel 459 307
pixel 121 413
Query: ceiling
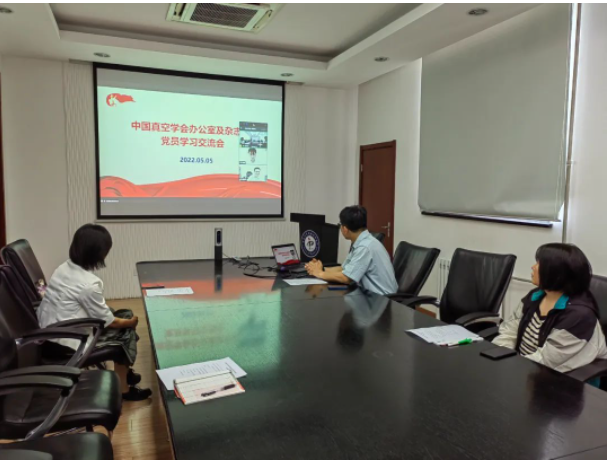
pixel 318 31
pixel 330 45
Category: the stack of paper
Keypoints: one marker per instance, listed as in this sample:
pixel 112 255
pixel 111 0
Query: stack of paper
pixel 448 335
pixel 207 387
pixel 169 375
pixel 305 281
pixel 169 291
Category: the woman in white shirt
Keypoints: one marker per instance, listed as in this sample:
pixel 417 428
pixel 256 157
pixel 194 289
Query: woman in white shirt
pixel 75 292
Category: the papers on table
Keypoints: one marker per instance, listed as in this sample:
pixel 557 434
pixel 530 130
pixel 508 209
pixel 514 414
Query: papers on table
pixel 169 291
pixel 169 375
pixel 447 335
pixel 207 387
pixel 304 281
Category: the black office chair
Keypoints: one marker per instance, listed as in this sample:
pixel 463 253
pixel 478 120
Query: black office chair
pixel 412 267
pixel 379 236
pixel 97 399
pixel 60 384
pixel 598 368
pixel 88 445
pixel 50 355
pixel 476 285
pixel 20 256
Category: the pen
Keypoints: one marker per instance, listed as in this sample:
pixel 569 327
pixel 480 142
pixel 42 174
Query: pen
pixel 459 343
pixel 226 388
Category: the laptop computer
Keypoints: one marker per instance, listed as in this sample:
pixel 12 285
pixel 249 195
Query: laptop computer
pixel 287 258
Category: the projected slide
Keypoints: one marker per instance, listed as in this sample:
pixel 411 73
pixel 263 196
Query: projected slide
pixel 181 146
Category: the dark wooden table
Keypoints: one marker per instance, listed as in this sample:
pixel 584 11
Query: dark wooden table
pixel 333 375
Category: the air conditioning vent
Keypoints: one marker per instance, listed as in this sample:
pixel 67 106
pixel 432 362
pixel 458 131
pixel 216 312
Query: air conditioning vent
pixel 222 15
pixel 250 17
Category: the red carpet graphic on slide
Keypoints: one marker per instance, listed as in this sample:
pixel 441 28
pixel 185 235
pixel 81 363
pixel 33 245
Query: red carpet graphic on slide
pixel 207 186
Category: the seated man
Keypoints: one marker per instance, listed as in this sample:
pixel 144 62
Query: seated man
pixel 368 263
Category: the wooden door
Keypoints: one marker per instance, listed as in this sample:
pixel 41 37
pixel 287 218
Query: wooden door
pixel 377 181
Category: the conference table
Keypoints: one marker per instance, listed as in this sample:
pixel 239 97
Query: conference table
pixel 332 374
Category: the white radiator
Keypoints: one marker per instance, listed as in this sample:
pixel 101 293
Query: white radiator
pixel 443 267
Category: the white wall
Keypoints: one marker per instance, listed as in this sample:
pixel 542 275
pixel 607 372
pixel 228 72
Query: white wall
pixel 330 134
pixel 389 108
pixel 35 157
pixel 50 173
pixel 587 221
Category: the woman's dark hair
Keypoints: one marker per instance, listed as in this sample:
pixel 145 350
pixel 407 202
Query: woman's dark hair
pixel 90 246
pixel 353 217
pixel 563 267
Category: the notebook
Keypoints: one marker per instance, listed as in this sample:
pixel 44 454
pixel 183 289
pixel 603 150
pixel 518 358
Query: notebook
pixel 207 387
pixel 447 335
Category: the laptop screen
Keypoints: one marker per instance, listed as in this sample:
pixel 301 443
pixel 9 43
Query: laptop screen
pixel 286 255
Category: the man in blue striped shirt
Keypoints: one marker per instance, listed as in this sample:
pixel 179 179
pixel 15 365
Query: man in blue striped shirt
pixel 368 263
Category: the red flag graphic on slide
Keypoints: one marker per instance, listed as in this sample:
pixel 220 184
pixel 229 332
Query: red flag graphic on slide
pixel 113 98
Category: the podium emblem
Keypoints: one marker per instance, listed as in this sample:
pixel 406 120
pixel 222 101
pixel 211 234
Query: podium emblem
pixel 310 243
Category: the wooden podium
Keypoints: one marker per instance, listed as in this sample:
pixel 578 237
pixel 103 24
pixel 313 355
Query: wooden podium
pixel 318 239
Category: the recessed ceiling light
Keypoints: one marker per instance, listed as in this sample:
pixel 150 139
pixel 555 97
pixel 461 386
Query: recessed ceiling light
pixel 478 12
pixel 5 10
pixel 381 58
pixel 102 55
pixel 287 74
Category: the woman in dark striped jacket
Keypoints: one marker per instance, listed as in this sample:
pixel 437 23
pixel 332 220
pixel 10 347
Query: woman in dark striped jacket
pixel 557 324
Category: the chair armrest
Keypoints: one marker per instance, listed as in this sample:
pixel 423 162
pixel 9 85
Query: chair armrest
pixel 97 326
pixel 489 333
pixel 43 334
pixel 414 301
pixel 20 383
pixel 46 370
pixel 84 322
pixel 478 317
pixel 400 295
pixel 593 370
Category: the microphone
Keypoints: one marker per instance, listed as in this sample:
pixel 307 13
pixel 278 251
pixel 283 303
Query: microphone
pixel 218 245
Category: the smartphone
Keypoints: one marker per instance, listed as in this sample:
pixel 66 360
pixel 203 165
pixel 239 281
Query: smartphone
pixel 498 353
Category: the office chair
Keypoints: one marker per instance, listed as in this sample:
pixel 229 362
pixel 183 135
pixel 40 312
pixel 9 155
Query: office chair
pixel 412 267
pixel 61 384
pixel 597 368
pixel 476 286
pixel 20 256
pixel 88 445
pixel 28 321
pixel 97 399
pixel 379 236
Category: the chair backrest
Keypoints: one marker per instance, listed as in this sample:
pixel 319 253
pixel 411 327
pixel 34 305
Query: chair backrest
pixel 16 318
pixel 20 256
pixel 412 266
pixel 379 236
pixel 599 291
pixel 477 282
pixel 8 354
